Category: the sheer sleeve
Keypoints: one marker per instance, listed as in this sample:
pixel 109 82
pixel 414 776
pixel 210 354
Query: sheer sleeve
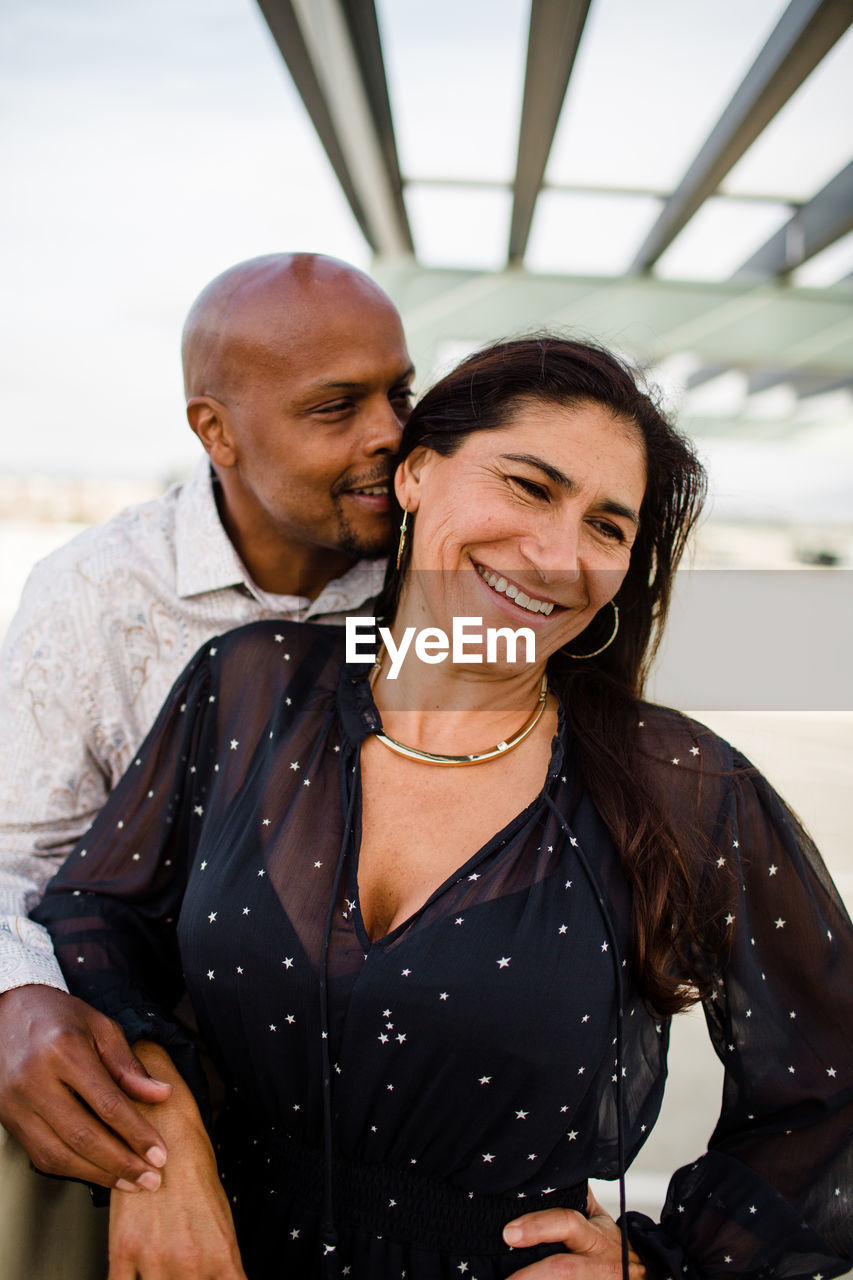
pixel 773 1195
pixel 112 908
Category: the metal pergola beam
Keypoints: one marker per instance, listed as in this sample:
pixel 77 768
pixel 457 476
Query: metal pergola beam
pixel 826 218
pixel 333 52
pixel 556 27
pixel 804 34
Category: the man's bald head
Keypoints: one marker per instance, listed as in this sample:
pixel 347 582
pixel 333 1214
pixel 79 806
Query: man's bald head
pixel 251 315
pixel 298 383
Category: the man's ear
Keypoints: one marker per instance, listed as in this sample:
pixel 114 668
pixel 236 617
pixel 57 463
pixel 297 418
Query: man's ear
pixel 407 477
pixel 209 420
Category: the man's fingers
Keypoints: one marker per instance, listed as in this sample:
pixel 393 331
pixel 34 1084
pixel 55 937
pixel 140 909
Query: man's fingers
pixel 115 1110
pixel 79 1138
pixel 51 1155
pixel 124 1066
pixel 552 1226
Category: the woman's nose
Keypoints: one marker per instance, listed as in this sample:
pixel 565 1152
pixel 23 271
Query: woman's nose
pixel 555 555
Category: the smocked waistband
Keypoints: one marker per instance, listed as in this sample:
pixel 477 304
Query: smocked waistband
pixel 402 1205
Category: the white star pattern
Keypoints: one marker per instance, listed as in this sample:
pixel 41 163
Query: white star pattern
pixel 780 923
pixel 234 744
pixel 503 963
pixel 212 917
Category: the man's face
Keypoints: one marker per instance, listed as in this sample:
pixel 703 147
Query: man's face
pixel 316 421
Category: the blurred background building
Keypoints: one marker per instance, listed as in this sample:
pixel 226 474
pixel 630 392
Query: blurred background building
pixel 671 179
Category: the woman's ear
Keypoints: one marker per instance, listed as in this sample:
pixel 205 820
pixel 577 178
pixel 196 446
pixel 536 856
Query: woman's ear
pixel 409 475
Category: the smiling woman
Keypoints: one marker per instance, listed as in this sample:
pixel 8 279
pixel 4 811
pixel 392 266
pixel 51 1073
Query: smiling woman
pixel 437 975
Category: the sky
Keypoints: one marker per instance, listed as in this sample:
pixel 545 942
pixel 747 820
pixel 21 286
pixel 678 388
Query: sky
pixel 149 146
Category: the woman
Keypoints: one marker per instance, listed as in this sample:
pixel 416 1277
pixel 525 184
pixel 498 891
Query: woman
pixel 439 996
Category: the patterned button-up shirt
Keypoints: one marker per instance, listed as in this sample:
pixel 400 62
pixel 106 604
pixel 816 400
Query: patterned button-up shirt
pixel 105 626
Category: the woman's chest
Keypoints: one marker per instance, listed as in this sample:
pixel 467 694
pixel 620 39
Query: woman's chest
pixel 421 824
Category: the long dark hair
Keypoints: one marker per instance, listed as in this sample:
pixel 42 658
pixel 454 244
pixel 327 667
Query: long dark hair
pixel 601 694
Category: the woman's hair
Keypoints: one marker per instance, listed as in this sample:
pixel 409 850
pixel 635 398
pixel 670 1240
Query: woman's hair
pixel 601 694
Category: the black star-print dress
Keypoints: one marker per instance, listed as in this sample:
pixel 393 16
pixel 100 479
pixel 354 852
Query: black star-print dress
pixel 390 1105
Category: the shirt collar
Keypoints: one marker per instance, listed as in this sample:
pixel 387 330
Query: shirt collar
pixel 206 559
pixel 205 556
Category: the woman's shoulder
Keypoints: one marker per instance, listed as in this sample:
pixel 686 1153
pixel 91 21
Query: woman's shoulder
pixel 276 642
pixel 673 738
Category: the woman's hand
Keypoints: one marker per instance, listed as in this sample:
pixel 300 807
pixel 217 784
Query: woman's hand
pixel 184 1230
pixel 594 1243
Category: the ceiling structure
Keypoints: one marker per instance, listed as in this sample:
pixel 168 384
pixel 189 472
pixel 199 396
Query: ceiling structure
pixel 776 343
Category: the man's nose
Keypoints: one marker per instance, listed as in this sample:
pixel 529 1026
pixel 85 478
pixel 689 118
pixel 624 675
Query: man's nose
pixel 384 427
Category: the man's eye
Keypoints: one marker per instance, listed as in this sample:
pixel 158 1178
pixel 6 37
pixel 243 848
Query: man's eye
pixel 530 486
pixel 337 406
pixel 403 393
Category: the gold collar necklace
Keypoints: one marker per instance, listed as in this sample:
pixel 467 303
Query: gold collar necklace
pixel 478 757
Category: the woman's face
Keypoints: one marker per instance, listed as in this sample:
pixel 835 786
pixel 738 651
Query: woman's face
pixel 530 524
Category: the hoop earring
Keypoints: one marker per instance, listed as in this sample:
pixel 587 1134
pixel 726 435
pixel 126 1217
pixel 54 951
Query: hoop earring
pixel 402 541
pixel 578 657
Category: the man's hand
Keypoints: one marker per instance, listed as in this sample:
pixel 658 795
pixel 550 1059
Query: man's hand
pixel 594 1245
pixel 184 1231
pixel 66 1076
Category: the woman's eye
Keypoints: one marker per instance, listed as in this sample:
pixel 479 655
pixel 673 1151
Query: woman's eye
pixel 609 530
pixel 530 486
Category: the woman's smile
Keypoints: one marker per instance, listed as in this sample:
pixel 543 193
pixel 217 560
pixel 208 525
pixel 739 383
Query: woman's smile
pixel 514 594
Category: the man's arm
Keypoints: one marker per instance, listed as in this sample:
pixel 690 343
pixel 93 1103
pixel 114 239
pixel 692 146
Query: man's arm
pixel 55 1050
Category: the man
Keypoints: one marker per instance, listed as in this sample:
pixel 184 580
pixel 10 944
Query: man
pixel 298 382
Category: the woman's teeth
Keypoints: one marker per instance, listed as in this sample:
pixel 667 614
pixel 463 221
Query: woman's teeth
pixel 504 588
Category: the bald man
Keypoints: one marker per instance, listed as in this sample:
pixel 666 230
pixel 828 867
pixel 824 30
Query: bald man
pixel 298 382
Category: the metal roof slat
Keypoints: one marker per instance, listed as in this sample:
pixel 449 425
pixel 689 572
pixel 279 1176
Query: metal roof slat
pixel 804 34
pixel 824 219
pixel 556 27
pixel 336 75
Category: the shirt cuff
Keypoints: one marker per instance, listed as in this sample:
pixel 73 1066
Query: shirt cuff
pixel 26 955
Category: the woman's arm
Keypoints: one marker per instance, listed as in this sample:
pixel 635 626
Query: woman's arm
pixel 183 1231
pixel 773 1195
